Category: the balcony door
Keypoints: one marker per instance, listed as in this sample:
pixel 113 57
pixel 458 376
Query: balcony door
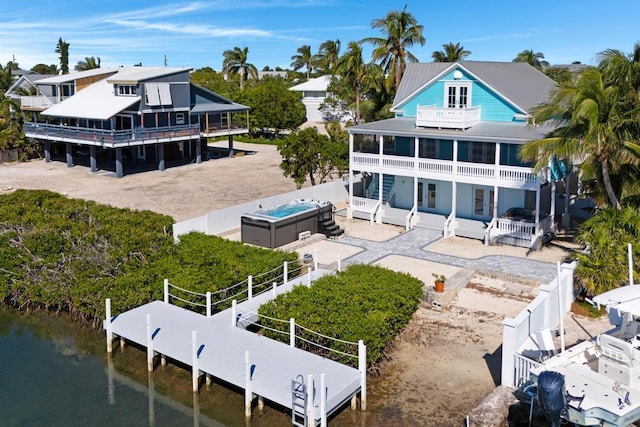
pixel 482 203
pixel 458 95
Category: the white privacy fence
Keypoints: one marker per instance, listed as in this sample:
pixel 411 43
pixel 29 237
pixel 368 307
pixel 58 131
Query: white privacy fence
pixel 216 222
pixel 546 311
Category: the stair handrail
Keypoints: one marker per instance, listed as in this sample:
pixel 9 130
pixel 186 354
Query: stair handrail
pixel 407 221
pixel 447 224
pixel 491 225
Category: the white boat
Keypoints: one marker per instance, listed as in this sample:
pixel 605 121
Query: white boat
pixel 602 375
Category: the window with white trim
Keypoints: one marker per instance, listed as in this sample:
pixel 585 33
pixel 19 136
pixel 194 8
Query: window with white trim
pixel 179 118
pixel 127 90
pixel 458 94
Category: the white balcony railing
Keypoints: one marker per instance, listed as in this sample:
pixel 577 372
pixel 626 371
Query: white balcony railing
pixel 508 176
pixel 517 229
pixel 37 101
pixel 448 118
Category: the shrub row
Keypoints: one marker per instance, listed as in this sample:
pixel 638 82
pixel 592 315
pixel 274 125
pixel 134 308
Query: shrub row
pixel 362 303
pixel 68 254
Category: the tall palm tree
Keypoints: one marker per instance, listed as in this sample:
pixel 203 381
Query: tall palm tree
pixel 89 63
pixel 450 53
pixel 62 48
pixel 356 71
pixel 328 55
pixel 535 59
pixel 303 59
pixel 235 62
pixel 623 70
pixel 401 31
pixel 588 129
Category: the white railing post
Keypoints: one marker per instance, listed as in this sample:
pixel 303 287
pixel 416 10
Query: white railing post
pixel 630 252
pixel 309 278
pixel 208 304
pixel 362 367
pixel 285 272
pixel 323 402
pixel 509 349
pixel 194 368
pixel 292 332
pixel 250 287
pixel 339 263
pixel 233 312
pixel 247 385
pixel 166 291
pixel 107 325
pixel 275 289
pixel 315 259
pixel 310 398
pixel 149 345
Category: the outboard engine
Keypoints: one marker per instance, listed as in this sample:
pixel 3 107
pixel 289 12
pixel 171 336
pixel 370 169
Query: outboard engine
pixel 551 396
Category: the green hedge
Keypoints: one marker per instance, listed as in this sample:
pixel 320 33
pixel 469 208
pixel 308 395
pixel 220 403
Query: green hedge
pixel 68 254
pixel 366 303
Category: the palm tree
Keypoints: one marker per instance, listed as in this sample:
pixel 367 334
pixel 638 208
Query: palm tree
pixel 62 48
pixel 302 59
pixel 588 129
pixel 450 53
pixel 235 62
pixel 623 70
pixel 535 59
pixel 328 55
pixel 401 31
pixel 354 70
pixel 89 63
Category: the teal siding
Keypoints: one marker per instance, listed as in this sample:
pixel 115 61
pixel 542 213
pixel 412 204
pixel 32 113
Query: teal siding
pixel 493 107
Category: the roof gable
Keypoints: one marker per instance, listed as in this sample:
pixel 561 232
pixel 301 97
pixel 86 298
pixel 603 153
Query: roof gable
pixel 517 84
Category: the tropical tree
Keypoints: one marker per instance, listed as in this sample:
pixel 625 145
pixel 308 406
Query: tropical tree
pixel 356 73
pixel 235 62
pixel 535 59
pixel 401 31
pixel 273 106
pixel 62 49
pixel 561 75
pixel 303 59
pixel 450 53
pixel 309 155
pixel 328 55
pixel 588 130
pixel 45 69
pixel 89 63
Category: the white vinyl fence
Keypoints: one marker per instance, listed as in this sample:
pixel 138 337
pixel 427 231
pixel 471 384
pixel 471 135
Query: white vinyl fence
pixel 542 313
pixel 222 220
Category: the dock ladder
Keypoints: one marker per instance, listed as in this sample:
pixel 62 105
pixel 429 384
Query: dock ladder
pixel 299 402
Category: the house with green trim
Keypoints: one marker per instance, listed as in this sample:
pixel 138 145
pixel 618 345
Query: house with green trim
pixel 448 160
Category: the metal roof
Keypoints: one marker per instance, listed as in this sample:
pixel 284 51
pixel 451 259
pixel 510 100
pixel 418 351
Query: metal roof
pixel 97 101
pixel 319 84
pixel 206 101
pixel 485 131
pixel 517 82
pixel 71 77
pixel 120 75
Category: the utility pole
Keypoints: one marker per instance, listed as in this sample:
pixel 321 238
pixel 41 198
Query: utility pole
pixel 165 60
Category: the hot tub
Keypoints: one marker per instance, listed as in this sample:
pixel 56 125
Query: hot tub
pixel 277 226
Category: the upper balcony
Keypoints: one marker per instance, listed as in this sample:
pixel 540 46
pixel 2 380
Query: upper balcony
pixel 109 138
pixel 37 102
pixel 448 170
pixel 447 118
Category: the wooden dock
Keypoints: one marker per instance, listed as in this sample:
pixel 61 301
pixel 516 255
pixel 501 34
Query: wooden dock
pixel 215 346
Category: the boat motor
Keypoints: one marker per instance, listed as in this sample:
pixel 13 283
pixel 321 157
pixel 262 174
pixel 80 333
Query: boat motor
pixel 551 396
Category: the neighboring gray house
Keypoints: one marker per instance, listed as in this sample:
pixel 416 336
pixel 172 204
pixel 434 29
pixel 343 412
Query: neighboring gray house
pixel 314 92
pixel 26 84
pixel 133 117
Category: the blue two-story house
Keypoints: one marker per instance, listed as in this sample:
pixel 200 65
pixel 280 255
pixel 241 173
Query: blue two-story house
pixel 129 117
pixel 448 159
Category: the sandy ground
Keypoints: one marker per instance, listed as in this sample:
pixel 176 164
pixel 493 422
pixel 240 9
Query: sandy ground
pixel 442 365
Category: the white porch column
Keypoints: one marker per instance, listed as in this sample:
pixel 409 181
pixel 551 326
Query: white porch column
pixel 495 186
pixel 380 178
pixel 350 206
pixel 454 183
pixel 416 149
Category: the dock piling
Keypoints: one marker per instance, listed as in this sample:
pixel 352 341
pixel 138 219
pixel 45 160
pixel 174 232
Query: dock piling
pixel 362 367
pixel 107 324
pixel 248 395
pixel 323 402
pixel 194 366
pixel 149 345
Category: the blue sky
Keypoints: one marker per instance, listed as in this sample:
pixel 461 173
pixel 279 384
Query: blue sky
pixel 194 34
